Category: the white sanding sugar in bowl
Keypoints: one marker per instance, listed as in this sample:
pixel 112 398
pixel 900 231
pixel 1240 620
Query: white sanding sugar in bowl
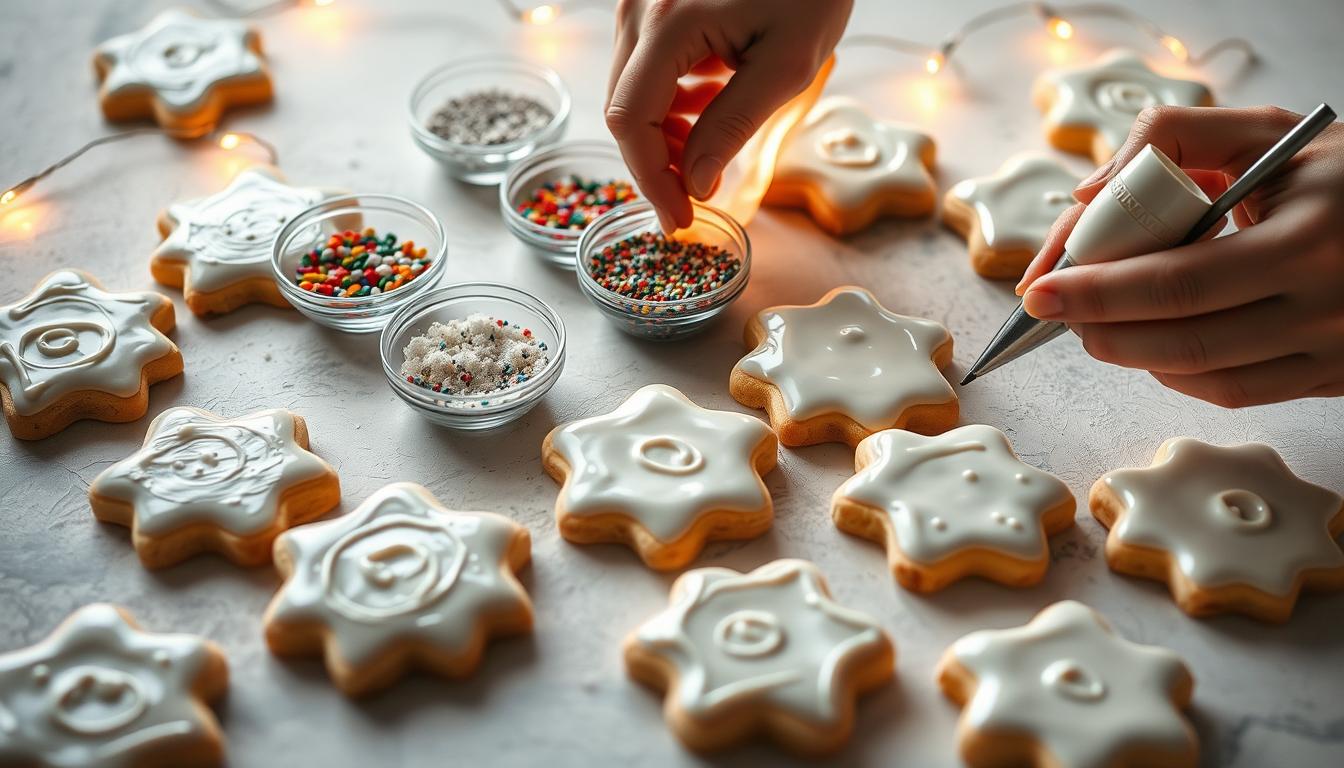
pixel 475 356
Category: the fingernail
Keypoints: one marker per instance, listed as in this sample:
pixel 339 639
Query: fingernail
pixel 1042 304
pixel 703 175
pixel 1097 175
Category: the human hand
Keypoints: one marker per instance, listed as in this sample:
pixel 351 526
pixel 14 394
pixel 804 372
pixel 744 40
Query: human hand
pixel 772 51
pixel 1254 317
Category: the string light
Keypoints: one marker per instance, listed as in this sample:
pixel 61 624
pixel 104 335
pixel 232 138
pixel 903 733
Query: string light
pixel 542 14
pixel 228 141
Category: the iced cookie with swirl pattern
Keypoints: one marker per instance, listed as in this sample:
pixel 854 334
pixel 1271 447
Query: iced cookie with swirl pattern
pixel 955 505
pixel 1066 690
pixel 1005 217
pixel 204 483
pixel 844 368
pixel 662 475
pixel 765 653
pixel 100 691
pixel 71 350
pixel 1089 110
pixel 1228 528
pixel 183 71
pixel 218 249
pixel 848 168
pixel 400 583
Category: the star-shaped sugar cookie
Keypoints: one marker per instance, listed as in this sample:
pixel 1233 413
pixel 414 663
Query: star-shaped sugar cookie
pixel 663 475
pixel 70 350
pixel 1229 528
pixel 182 70
pixel 218 248
pixel 847 168
pixel 844 368
pixel 951 506
pixel 1065 690
pixel 763 652
pixel 202 482
pixel 99 691
pixel 399 582
pixel 1089 110
pixel 1005 217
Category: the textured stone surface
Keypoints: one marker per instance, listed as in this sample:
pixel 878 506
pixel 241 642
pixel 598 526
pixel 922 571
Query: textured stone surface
pixel 1264 695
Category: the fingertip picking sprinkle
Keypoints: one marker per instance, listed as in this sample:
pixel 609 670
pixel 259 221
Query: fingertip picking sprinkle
pixel 354 264
pixel 653 267
pixel 574 202
pixel 478 355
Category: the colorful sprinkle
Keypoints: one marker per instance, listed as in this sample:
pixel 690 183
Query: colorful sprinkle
pixel 651 267
pixel 573 203
pixel 353 264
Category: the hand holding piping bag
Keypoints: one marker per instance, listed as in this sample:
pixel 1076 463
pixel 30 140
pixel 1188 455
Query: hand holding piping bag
pixel 773 54
pixel 1254 317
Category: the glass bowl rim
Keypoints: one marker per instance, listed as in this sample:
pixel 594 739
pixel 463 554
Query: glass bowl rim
pixel 528 164
pixel 496 62
pixel 642 207
pixel 319 301
pixel 427 398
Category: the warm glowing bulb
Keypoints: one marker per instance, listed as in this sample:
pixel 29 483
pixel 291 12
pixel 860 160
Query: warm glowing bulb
pixel 323 3
pixel 542 14
pixel 1060 28
pixel 229 141
pixel 1176 47
pixel 8 197
pixel 934 63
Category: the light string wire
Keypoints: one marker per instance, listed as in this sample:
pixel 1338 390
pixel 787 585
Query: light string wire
pixel 227 140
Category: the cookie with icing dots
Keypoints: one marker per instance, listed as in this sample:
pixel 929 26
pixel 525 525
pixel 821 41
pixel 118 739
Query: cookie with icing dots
pixel 204 483
pixel 1005 217
pixel 183 71
pixel 848 168
pixel 71 350
pixel 661 475
pixel 218 249
pixel 399 583
pixel 1228 528
pixel 100 691
pixel 1089 110
pixel 762 653
pixel 844 368
pixel 1066 690
pixel 955 505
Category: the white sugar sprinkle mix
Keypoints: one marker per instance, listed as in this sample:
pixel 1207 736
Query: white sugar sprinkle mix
pixel 475 356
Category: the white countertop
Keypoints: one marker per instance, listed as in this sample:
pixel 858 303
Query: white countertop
pixel 1265 695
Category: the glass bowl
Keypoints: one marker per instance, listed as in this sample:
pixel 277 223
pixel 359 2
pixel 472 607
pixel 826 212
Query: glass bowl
pixel 486 163
pixel 662 320
pixel 387 214
pixel 587 159
pixel 455 302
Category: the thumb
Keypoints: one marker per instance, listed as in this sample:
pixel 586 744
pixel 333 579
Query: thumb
pixel 1203 138
pixel 761 85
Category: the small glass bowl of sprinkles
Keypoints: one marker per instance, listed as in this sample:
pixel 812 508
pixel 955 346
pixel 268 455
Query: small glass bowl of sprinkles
pixel 473 356
pixel 350 262
pixel 550 198
pixel 659 287
pixel 479 116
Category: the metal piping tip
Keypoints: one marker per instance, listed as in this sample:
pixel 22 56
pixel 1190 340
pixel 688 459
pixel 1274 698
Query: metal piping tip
pixel 968 379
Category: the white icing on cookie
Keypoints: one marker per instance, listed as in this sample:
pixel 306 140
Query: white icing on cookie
pixel 99 691
pixel 662 460
pixel 69 335
pixel 181 57
pixel 849 355
pixel 400 567
pixel 1109 93
pixel 1228 515
pixel 773 636
pixel 1016 207
pixel 226 238
pixel 1068 682
pixel 196 467
pixel 852 157
pixel 963 489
